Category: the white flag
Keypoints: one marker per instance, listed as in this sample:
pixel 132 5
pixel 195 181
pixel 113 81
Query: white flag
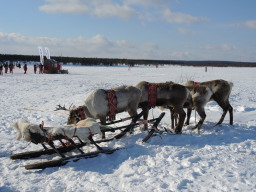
pixel 47 52
pixel 41 55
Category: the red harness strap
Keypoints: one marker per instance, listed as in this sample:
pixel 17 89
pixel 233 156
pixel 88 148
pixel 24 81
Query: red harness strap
pixel 112 102
pixel 50 137
pixel 152 94
pixel 81 112
pixel 74 134
pixel 196 83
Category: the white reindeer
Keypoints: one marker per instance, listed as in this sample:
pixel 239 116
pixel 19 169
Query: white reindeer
pixel 96 105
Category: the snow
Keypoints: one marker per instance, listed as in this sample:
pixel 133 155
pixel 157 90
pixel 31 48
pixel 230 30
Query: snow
pixel 218 158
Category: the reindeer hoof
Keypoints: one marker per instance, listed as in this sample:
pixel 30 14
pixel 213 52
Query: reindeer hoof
pixel 177 131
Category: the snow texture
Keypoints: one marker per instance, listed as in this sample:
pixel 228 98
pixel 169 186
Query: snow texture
pixel 221 158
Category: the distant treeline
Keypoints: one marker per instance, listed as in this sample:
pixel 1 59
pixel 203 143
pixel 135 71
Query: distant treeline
pixel 128 62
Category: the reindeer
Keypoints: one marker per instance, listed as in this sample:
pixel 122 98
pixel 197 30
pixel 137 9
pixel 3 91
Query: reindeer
pixel 169 95
pixel 96 106
pixel 197 99
pixel 221 90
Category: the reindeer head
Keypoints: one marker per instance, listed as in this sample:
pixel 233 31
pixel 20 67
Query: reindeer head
pixel 76 115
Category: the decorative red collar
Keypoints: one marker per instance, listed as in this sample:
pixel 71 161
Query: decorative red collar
pixel 81 112
pixel 152 94
pixel 112 102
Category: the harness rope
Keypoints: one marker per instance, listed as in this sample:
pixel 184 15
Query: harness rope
pixel 44 110
pixel 50 137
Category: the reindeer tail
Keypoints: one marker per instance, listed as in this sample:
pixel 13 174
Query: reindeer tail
pixel 230 84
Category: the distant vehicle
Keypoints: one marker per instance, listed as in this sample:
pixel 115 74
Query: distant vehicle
pixel 53 67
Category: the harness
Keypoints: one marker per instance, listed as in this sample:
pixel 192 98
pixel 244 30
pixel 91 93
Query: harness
pixel 81 113
pixel 152 94
pixel 50 137
pixel 196 83
pixel 112 103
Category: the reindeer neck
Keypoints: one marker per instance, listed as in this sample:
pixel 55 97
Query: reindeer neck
pixel 86 111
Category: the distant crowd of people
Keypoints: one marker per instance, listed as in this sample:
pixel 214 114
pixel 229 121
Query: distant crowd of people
pixel 5 67
pixel 41 68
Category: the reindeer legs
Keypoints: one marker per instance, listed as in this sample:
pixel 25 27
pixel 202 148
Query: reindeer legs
pixel 189 111
pixel 230 109
pixel 226 107
pixel 202 114
pixel 222 117
pixel 182 116
pixel 103 122
pixel 174 117
pixel 145 116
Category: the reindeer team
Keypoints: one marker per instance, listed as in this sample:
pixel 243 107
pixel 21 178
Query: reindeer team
pixel 169 95
pixel 144 95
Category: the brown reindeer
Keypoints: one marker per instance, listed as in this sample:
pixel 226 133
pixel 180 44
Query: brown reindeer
pixel 168 94
pixel 221 90
pixel 197 99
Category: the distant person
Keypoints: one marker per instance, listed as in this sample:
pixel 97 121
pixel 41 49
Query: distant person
pixel 6 68
pixel 35 68
pixel 11 68
pixel 1 69
pixel 58 67
pixel 25 68
pixel 41 67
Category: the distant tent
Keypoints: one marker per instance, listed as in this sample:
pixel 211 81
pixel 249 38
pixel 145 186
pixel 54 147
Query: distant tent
pixel 50 66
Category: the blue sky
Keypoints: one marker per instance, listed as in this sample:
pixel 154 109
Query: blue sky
pixel 133 29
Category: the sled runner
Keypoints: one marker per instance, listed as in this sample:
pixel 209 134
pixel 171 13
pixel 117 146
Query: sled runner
pixel 65 160
pixel 49 140
pixel 154 127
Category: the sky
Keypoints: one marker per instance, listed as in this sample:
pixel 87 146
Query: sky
pixel 131 29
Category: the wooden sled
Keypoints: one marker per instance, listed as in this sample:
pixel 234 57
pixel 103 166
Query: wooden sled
pixel 78 146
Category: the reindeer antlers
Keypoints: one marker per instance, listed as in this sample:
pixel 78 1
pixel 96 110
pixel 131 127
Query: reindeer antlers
pixel 59 107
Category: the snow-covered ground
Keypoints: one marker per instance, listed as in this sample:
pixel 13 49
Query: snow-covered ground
pixel 220 158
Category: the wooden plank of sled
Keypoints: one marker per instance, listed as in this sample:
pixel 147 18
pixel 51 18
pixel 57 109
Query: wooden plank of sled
pixel 129 127
pixel 33 154
pixel 154 127
pixel 63 161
